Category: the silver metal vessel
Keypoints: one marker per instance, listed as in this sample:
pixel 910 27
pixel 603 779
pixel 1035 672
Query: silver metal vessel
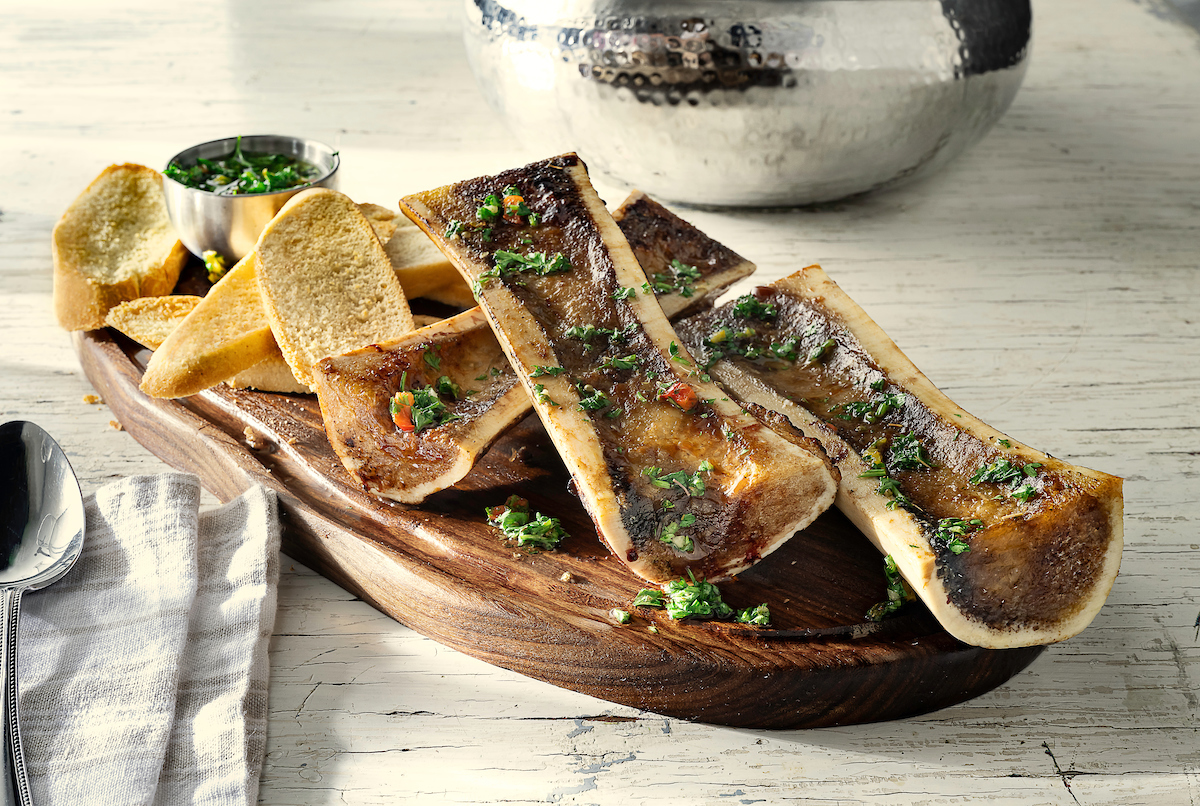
pixel 755 103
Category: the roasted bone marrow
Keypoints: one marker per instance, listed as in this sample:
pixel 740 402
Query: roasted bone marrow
pixel 686 271
pixel 1006 545
pixel 673 473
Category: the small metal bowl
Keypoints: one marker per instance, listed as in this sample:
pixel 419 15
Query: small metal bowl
pixel 230 225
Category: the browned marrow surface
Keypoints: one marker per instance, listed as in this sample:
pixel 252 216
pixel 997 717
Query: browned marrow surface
pixel 354 391
pixel 688 268
pixel 1037 554
pixel 615 425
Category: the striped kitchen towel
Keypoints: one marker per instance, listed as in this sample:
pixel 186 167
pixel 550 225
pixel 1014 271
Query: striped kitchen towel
pixel 143 672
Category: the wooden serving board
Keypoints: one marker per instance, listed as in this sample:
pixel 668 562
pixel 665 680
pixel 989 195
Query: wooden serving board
pixel 443 571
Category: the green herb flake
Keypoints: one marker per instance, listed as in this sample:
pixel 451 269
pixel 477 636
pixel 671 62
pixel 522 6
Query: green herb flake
pixel 624 293
pixel 648 597
pixel 616 362
pixel 620 616
pixel 759 616
pixel 750 307
pixel 447 388
pixel 531 530
pixel 820 352
pixel 907 453
pixel 688 598
pixel 431 358
pixel 540 371
pixel 542 395
pixel 951 531
pixel 898 592
pixel 1004 443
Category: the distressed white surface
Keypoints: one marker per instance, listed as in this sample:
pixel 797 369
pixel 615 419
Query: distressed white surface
pixel 1049 281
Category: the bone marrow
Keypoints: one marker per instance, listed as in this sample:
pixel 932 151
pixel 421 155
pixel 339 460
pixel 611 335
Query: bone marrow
pixel 687 270
pixel 674 474
pixel 1005 544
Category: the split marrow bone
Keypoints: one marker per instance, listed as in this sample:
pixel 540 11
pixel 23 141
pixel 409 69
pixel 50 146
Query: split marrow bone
pixel 355 389
pixel 1006 545
pixel 673 473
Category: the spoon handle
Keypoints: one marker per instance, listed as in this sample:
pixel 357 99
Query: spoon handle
pixel 15 789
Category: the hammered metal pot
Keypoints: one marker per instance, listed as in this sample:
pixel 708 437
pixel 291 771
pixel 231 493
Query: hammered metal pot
pixel 767 103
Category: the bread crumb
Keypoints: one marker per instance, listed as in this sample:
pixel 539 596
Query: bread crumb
pixel 116 425
pixel 252 438
pixel 566 577
pixel 516 555
pixel 92 400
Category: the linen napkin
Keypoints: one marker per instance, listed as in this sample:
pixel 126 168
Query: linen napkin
pixel 143 672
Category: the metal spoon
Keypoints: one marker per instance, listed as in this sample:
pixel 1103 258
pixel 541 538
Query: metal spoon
pixel 41 535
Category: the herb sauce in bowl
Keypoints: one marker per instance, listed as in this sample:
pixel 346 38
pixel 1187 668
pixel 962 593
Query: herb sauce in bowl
pixel 221 194
pixel 242 172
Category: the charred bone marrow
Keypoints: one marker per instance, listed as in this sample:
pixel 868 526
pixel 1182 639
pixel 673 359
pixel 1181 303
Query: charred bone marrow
pixel 686 271
pixel 621 398
pixel 1006 545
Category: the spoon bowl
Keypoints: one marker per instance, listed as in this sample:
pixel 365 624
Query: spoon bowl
pixel 41 537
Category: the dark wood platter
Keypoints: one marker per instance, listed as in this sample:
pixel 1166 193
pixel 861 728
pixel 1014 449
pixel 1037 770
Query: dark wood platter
pixel 443 571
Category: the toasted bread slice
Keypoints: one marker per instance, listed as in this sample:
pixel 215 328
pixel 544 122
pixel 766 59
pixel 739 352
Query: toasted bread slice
pixel 150 321
pixel 327 285
pixel 114 243
pixel 227 333
pixel 422 268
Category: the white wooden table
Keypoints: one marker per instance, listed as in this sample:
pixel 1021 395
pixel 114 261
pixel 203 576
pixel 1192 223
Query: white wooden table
pixel 1049 281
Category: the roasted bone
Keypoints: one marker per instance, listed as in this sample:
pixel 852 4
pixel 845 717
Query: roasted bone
pixel 1026 553
pixel 673 474
pixel 689 270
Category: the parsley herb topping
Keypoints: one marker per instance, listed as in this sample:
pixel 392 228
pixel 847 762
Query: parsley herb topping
pixel 951 531
pixel 689 598
pixel 534 530
pixel 898 592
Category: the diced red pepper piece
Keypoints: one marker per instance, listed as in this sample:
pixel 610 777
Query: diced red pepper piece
pixel 401 411
pixel 681 395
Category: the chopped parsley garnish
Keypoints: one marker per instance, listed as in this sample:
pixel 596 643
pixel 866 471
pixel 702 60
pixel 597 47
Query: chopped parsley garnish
pixel 540 370
pixel 907 453
pixel 431 358
pixel 870 411
pixel 888 487
pixel 671 536
pixel 620 616
pixel 681 280
pixel 453 230
pixel 648 597
pixel 686 598
pixel 542 396
pixel 690 483
pixel 951 531
pixel 418 409
pixel 624 293
pixel 750 307
pixel 534 530
pixel 1004 443
pixel 589 333
pixel 616 362
pixel 592 399
pixel 788 350
pixel 689 598
pixel 759 616
pixel 821 352
pixel 898 592
pixel 447 388
pixel 1005 471
pixel 490 209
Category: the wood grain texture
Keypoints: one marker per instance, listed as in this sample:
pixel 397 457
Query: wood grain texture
pixel 443 571
pixel 1048 280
